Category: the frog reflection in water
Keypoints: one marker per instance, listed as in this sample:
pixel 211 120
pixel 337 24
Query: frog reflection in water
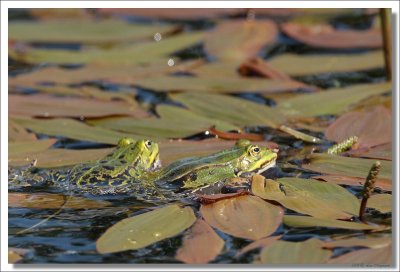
pixel 133 168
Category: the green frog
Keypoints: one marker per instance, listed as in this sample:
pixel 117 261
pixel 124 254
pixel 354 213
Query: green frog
pixel 134 168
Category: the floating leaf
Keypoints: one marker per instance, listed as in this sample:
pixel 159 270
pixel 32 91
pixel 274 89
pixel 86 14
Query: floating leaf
pixel 370 242
pixel 58 157
pixel 259 67
pixel 230 109
pixel 175 122
pixel 212 198
pixel 17 133
pixel 201 245
pixel 327 37
pixel 72 31
pixel 73 129
pixel 379 256
pixel 352 167
pixel 384 184
pixel 303 65
pixel 284 252
pixel 332 101
pixel 372 128
pixel 146 229
pixel 217 84
pixel 381 202
pixel 298 221
pixel 258 244
pixel 50 106
pixel 307 196
pixel 144 52
pixel 247 217
pixel 22 147
pixel 53 201
pixel 13 257
pixel 381 152
pixel 240 39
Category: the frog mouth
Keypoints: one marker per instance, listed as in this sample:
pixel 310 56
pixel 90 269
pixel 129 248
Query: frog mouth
pixel 266 166
pixel 156 164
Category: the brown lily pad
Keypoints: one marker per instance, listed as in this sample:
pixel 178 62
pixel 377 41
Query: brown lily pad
pixel 264 242
pixel 201 245
pixel 384 184
pixel 370 242
pixel 379 256
pixel 247 217
pixel 328 37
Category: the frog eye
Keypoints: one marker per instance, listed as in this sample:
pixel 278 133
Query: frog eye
pixel 148 144
pixel 254 150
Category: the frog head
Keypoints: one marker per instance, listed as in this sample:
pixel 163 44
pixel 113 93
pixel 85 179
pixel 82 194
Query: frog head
pixel 256 159
pixel 142 154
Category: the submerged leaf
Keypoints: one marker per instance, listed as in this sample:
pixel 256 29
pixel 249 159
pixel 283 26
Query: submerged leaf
pixel 284 252
pixel 39 105
pixel 379 256
pixel 53 201
pixel 299 221
pixel 201 245
pixel 303 65
pixel 327 37
pixel 73 31
pixel 307 196
pixel 247 217
pixel 240 39
pixel 372 128
pixel 230 109
pixel 146 229
pixel 333 101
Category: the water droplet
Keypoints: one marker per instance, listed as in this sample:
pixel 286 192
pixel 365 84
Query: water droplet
pixel 157 37
pixel 250 229
pixel 156 234
pixel 171 62
pixel 132 241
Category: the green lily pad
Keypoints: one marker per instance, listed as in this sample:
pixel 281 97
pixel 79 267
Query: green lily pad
pixel 217 84
pixel 146 229
pixel 307 196
pixel 378 256
pixel 230 109
pixel 144 52
pixel 240 39
pixel 201 245
pixel 68 31
pixel 17 133
pixel 22 147
pixel 247 217
pixel 345 166
pixel 174 122
pixel 73 129
pixel 381 202
pixel 331 101
pixel 303 65
pixel 40 105
pixel 284 252
pixel 299 221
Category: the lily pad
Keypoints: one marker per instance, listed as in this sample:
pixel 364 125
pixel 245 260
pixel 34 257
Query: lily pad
pixel 324 35
pixel 73 31
pixel 145 229
pixel 201 245
pixel 333 101
pixel 345 166
pixel 230 109
pixel 247 217
pixel 50 106
pixel 298 221
pixel 22 147
pixel 384 184
pixel 240 39
pixel 73 129
pixel 372 128
pixel 53 201
pixel 284 252
pixel 144 52
pixel 379 256
pixel 17 133
pixel 371 242
pixel 307 196
pixel 381 202
pixel 303 65
pixel 380 152
pixel 13 257
pixel 264 242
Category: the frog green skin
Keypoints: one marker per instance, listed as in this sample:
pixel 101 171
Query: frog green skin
pixel 196 172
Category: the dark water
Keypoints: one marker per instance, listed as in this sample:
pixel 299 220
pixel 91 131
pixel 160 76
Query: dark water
pixel 70 236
